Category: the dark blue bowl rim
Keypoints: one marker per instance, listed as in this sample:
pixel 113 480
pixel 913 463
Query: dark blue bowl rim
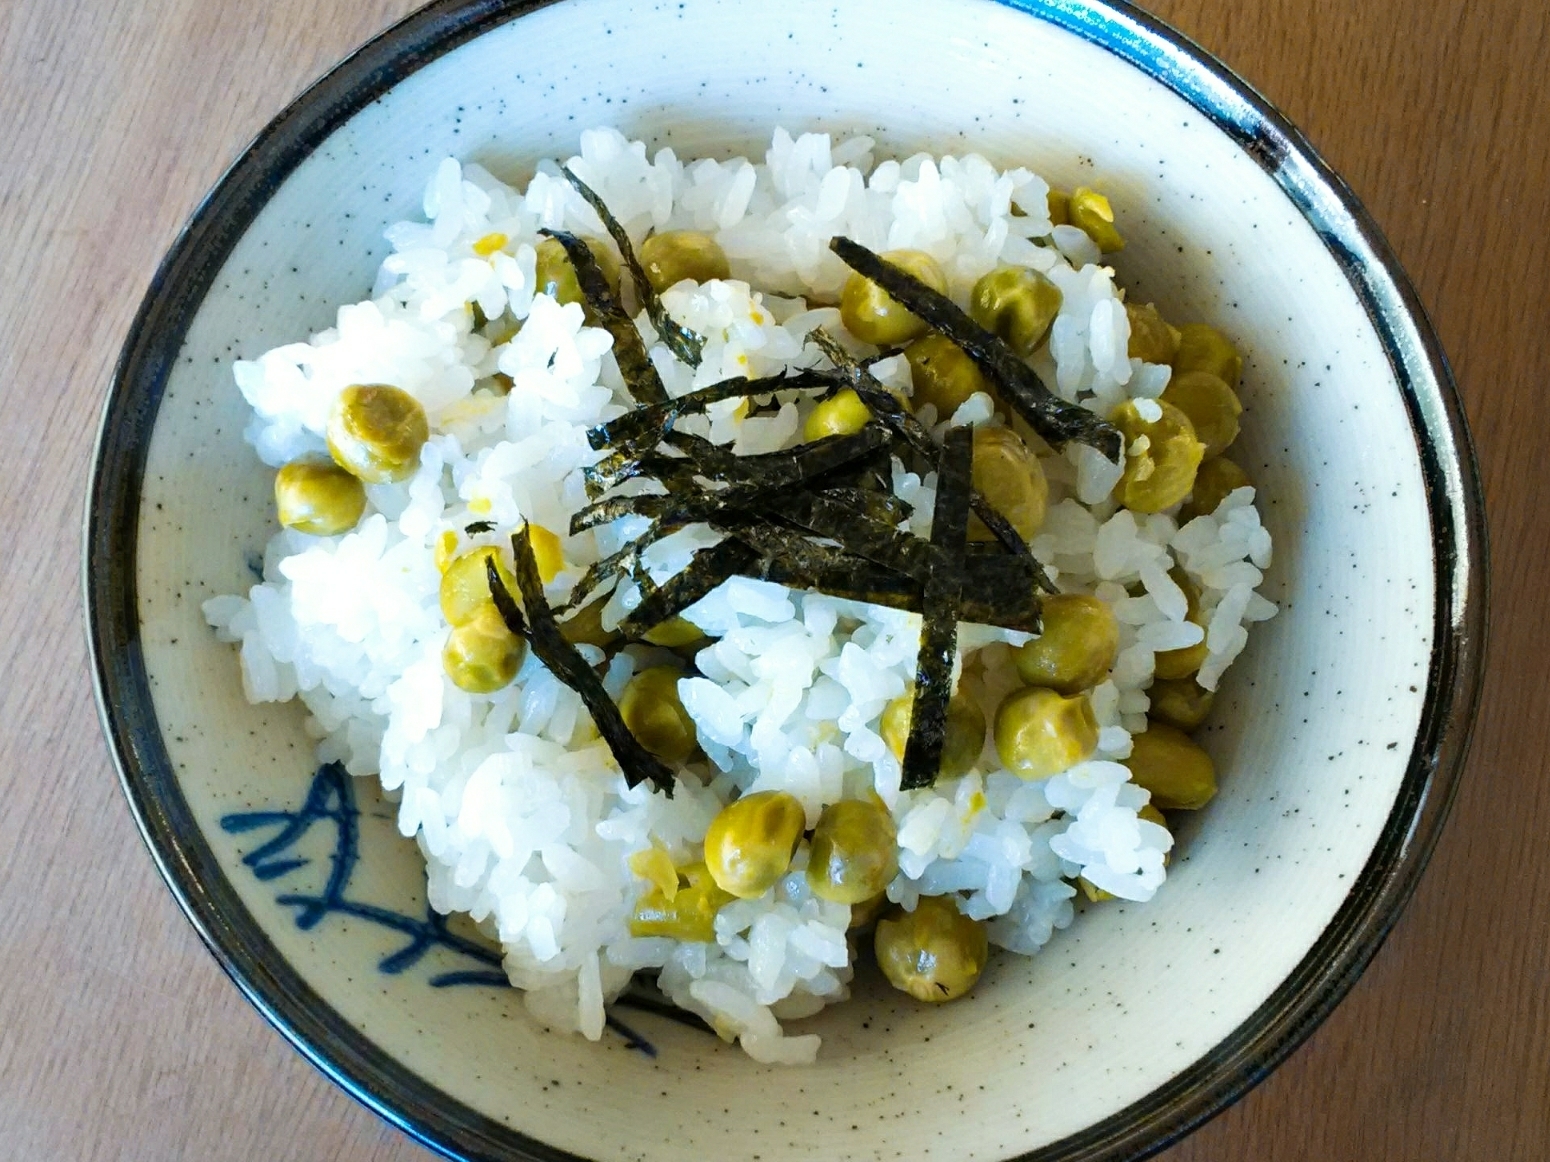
pixel 346 1055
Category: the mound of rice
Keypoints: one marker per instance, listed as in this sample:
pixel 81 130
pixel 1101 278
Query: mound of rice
pixel 523 817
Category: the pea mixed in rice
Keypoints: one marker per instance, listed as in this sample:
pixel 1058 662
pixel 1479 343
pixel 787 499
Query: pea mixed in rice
pixel 483 514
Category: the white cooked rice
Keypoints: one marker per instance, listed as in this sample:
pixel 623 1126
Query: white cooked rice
pixel 523 817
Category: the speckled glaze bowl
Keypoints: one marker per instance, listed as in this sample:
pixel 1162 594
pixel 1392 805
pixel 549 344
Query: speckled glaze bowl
pixel 1340 733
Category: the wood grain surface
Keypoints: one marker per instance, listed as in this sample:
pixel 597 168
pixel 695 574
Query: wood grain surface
pixel 119 1036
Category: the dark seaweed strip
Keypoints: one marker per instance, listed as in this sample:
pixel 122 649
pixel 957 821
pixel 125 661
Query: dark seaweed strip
pixel 783 467
pixel 878 506
pixel 856 533
pixel 626 560
pixel 479 526
pixel 1055 419
pixel 505 604
pixel 681 341
pixel 566 663
pixel 640 375
pixel 708 568
pixel 645 425
pixel 939 613
pixel 1010 538
pixel 647 504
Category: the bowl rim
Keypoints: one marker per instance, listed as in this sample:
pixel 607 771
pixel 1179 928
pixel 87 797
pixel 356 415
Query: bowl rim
pixel 346 1055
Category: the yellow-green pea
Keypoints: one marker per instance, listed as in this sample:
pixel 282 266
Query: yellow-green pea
pixel 1092 214
pixel 1212 407
pixel 1151 338
pixel 1040 732
pixel 674 633
pixel 1181 663
pixel 689 915
pixel 1017 303
pixel 376 431
pixel 317 496
pixel 1215 480
pixel 1204 348
pixel 842 414
pixel 749 845
pixel 872 315
pixel 482 655
pixel 942 375
pixel 1180 776
pixel 854 852
pixel 585 626
pixel 465 586
pixel 934 953
pixel 1009 476
pixel 556 277
pixel 674 255
pixel 1160 457
pixel 962 739
pixel 1179 702
pixel 651 708
pixel 1076 647
pixel 1059 203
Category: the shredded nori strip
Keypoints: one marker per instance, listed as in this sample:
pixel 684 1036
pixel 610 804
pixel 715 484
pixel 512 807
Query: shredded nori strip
pixel 565 662
pixel 939 614
pixel 479 526
pixel 644 426
pixel 878 506
pixel 708 569
pixel 681 341
pixel 640 374
pixel 783 467
pixel 1055 419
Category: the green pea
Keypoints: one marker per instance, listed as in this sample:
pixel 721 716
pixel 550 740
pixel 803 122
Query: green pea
pixel 749 845
pixel 942 375
pixel 1077 647
pixel 854 853
pixel 1179 702
pixel 1160 457
pixel 1182 662
pixel 1151 338
pixel 1008 475
pixel 556 277
pixel 482 655
pixel 689 914
pixel 1204 348
pixel 1040 732
pixel 585 626
pixel 1018 304
pixel 674 255
pixel 316 496
pixel 651 708
pixel 465 586
pixel 1212 407
pixel 1059 204
pixel 376 431
pixel 1092 214
pixel 962 739
pixel 872 315
pixel 934 953
pixel 674 633
pixel 1178 773
pixel 842 414
pixel 1216 479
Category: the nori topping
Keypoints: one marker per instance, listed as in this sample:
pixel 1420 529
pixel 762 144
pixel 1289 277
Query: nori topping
pixel 879 506
pixel 1055 419
pixel 709 568
pixel 479 526
pixel 939 614
pixel 678 339
pixel 565 662
pixel 640 374
pixel 645 426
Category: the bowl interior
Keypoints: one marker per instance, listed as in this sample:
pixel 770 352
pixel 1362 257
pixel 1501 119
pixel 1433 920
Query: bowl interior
pixel 1313 732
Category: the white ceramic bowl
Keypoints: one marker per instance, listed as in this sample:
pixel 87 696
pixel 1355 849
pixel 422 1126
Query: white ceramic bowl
pixel 1339 733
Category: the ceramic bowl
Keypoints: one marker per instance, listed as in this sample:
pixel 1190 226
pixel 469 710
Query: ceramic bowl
pixel 1340 733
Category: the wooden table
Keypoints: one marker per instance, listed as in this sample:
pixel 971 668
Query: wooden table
pixel 119 1036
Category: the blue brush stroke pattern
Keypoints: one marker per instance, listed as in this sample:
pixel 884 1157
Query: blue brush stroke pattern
pixel 331 800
